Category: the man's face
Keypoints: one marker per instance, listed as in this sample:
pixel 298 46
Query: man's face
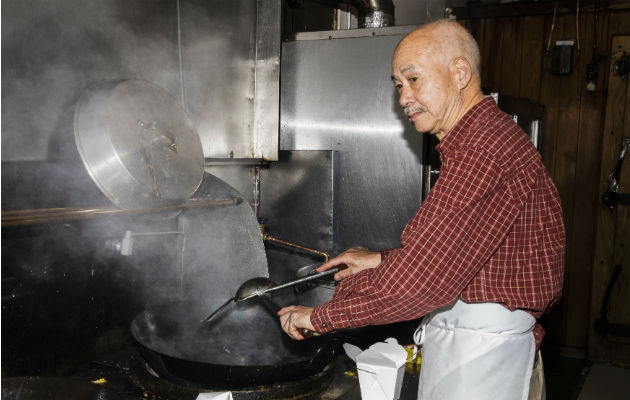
pixel 427 92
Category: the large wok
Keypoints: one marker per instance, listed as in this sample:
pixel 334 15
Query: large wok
pixel 243 347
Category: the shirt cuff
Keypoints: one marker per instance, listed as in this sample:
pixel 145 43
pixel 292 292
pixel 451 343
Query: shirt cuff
pixel 326 317
pixel 386 252
pixel 319 320
pixel 325 320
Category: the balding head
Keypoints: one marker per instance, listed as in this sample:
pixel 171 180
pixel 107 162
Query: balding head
pixel 446 40
pixel 436 72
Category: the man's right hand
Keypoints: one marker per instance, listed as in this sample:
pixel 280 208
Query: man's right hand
pixel 356 259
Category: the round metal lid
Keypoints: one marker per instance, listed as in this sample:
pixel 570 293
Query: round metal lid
pixel 138 144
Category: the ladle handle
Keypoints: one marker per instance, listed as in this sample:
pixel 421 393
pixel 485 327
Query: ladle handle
pixel 307 278
pixel 305 332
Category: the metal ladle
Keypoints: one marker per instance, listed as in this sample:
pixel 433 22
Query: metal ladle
pixel 261 286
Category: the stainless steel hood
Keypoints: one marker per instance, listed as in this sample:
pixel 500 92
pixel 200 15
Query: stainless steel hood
pixel 336 94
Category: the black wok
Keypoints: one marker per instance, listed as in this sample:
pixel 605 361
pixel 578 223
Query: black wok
pixel 244 347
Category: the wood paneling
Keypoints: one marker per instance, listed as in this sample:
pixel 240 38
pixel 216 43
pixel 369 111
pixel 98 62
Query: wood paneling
pixel 513 45
pixel 532 33
pixel 611 244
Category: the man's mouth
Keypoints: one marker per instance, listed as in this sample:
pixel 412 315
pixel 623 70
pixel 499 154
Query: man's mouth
pixel 413 112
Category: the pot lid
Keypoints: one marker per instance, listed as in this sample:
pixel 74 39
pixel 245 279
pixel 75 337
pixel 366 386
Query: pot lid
pixel 138 144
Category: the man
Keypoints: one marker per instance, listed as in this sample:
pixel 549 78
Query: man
pixel 482 258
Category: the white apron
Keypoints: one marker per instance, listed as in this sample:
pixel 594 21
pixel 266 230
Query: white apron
pixel 476 352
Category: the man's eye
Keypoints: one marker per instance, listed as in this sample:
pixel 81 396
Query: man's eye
pixel 413 79
pixel 399 86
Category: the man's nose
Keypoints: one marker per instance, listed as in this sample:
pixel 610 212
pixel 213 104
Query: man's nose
pixel 405 98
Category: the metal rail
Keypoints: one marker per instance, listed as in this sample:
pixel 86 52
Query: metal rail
pixel 13 218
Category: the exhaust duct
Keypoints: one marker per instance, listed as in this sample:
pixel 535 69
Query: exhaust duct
pixel 371 13
pixel 374 13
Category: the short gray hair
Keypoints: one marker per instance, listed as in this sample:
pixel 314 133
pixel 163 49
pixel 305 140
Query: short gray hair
pixel 460 41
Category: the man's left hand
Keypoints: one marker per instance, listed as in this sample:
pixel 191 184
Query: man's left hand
pixel 294 318
pixel 356 260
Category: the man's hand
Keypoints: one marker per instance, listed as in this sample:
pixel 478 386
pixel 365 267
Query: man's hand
pixel 294 318
pixel 357 259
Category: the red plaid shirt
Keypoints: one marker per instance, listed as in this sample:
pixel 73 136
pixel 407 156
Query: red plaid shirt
pixel 491 230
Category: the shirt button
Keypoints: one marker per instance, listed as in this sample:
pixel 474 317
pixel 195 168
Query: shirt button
pixel 350 319
pixel 324 325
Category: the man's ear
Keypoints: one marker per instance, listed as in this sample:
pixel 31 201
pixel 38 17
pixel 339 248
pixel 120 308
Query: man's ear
pixel 463 72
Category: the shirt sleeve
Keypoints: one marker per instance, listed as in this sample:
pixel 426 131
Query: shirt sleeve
pixel 466 217
pixel 386 252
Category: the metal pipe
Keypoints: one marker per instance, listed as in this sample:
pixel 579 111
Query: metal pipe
pixel 375 13
pixel 269 238
pixel 14 218
pixel 372 13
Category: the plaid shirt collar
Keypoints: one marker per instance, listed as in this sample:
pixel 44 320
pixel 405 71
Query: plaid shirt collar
pixel 466 124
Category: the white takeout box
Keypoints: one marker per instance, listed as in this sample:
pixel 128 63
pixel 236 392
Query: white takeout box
pixel 381 369
pixel 215 396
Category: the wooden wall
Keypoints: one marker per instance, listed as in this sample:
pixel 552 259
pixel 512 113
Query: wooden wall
pixel 609 335
pixel 513 40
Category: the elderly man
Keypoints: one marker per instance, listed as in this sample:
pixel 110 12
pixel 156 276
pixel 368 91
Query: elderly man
pixel 482 258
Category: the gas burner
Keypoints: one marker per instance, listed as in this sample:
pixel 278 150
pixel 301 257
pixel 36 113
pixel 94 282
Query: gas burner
pixel 127 374
pixel 305 388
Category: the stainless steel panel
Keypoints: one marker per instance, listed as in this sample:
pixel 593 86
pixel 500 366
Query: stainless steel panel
pixel 296 199
pixel 267 80
pixel 241 176
pixel 223 246
pixel 218 52
pixel 354 33
pixel 230 56
pixel 297 205
pixel 337 95
pixel 204 53
pixel 222 50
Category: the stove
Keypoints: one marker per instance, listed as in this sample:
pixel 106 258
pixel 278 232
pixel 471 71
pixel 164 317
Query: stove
pixel 125 376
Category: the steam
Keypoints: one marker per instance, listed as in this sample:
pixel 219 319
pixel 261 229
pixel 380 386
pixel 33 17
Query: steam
pixel 54 49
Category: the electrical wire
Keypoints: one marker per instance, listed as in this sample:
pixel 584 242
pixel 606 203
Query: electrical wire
pixel 577 24
pixel 553 24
